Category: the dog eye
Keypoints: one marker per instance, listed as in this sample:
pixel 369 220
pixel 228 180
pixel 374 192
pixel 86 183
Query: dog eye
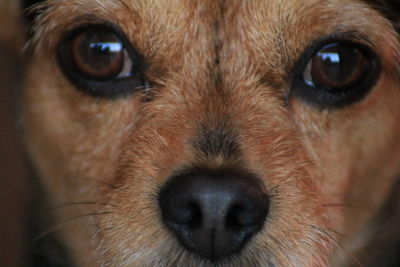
pixel 100 62
pixel 99 55
pixel 335 67
pixel 337 74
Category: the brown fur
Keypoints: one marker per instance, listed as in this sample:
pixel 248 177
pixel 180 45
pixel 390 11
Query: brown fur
pixel 219 65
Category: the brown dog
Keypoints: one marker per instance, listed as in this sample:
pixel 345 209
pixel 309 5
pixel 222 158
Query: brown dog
pixel 218 132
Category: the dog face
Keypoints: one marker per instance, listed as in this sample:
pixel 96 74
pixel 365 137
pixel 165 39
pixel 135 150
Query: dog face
pixel 214 133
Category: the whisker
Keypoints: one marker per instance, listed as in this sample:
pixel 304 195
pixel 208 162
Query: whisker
pixel 341 196
pixel 331 235
pixel 332 231
pixel 95 180
pixel 104 230
pixel 65 222
pixel 75 204
pixel 345 205
pixel 273 192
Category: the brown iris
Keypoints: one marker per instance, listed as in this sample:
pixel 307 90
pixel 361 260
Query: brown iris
pixel 97 54
pixel 336 66
pixel 99 60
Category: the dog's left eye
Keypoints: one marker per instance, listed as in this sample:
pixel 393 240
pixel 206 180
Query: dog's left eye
pixel 100 62
pixel 336 74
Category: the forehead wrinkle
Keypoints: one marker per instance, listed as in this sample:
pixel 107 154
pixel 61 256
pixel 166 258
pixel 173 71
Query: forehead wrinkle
pixel 174 14
pixel 390 9
pixel 83 3
pixel 55 16
pixel 171 35
pixel 52 13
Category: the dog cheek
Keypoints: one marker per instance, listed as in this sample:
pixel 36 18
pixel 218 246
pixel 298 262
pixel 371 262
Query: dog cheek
pixel 296 199
pixel 75 144
pixel 136 233
pixel 346 146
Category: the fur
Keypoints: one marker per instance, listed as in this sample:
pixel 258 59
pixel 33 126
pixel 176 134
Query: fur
pixel 220 73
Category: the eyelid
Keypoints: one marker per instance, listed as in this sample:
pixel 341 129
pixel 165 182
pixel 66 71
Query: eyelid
pixel 349 36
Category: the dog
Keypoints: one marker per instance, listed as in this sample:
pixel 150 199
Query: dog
pixel 215 132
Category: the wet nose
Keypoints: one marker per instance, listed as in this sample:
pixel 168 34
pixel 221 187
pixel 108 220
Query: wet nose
pixel 214 214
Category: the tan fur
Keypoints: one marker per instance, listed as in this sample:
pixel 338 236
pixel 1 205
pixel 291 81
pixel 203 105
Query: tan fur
pixel 310 161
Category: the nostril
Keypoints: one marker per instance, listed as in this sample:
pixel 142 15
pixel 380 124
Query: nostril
pixel 247 216
pixel 236 219
pixel 194 218
pixel 181 213
pixel 213 214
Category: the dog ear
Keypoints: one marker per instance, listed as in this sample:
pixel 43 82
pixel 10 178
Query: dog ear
pixel 28 14
pixel 393 9
pixel 394 4
pixel 389 8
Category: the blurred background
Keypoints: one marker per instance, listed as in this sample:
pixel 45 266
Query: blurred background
pixel 13 171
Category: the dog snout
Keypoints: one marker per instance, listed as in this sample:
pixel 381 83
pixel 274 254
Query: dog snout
pixel 214 214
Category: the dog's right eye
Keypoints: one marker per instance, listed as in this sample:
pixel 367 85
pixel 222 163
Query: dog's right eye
pixel 100 62
pixel 99 55
pixel 335 74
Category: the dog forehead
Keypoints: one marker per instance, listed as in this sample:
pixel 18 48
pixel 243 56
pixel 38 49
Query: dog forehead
pixel 160 24
pixel 262 36
pixel 176 19
pixel 161 10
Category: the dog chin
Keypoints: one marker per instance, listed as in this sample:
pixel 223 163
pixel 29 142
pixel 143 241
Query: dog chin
pixel 174 255
pixel 183 258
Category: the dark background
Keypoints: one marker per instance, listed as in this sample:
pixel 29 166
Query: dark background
pixel 13 172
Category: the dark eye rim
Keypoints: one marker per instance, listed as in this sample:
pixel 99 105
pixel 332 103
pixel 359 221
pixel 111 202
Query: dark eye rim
pixel 322 98
pixel 112 88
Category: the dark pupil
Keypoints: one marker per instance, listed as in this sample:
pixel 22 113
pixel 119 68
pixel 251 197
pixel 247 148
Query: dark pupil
pixel 337 66
pixel 98 54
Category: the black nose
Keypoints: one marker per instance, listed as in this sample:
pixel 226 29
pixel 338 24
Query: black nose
pixel 214 214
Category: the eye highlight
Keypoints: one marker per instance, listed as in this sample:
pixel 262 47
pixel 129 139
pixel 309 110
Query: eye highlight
pixel 99 61
pixel 336 74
